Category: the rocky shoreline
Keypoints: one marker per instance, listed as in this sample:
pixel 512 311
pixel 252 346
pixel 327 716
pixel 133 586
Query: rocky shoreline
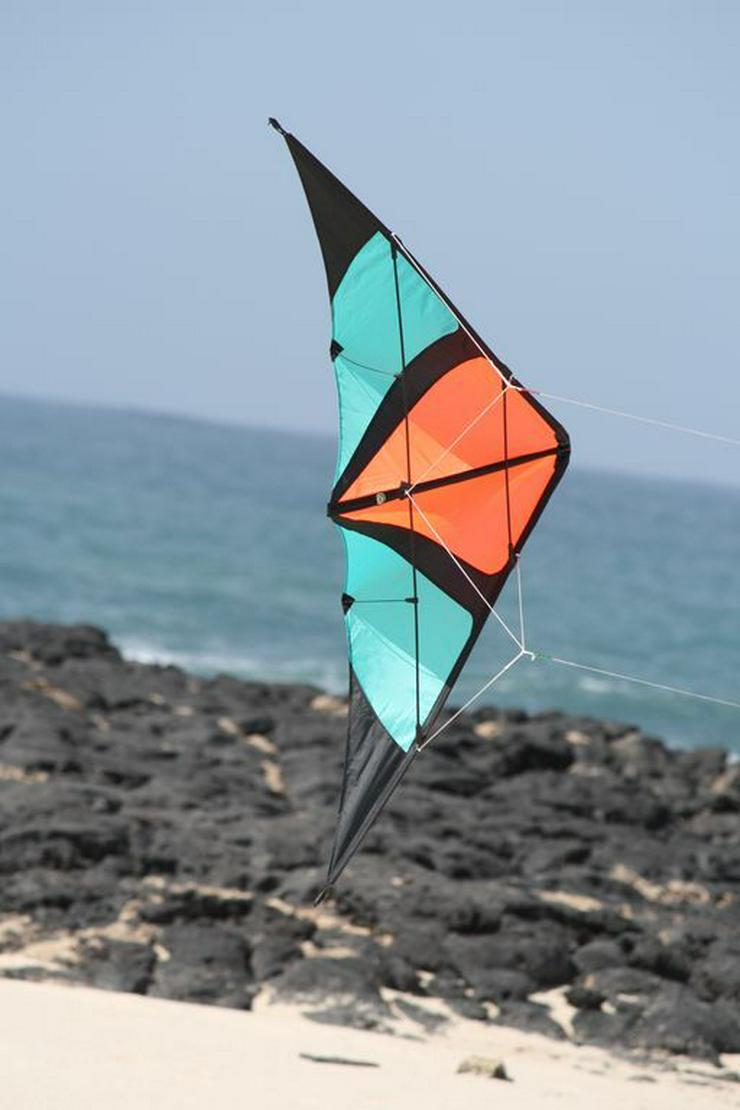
pixel 166 834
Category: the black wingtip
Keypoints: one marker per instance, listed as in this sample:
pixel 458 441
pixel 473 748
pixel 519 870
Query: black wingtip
pixel 324 893
pixel 272 122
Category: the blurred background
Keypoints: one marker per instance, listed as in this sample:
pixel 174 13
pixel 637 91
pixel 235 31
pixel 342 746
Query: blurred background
pixel 569 173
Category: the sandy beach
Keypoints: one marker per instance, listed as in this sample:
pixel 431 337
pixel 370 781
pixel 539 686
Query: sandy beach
pixel 72 1048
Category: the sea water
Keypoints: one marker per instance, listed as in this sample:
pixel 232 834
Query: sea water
pixel 208 546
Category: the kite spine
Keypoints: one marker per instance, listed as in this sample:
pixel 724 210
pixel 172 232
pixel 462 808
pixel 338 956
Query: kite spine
pixel 394 257
pixel 505 390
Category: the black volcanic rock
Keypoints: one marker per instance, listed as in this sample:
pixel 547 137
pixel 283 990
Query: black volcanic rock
pixel 718 975
pixel 598 954
pixel 530 1017
pixel 276 940
pixel 499 984
pixel 583 998
pixel 170 832
pixel 676 1021
pixel 541 953
pixel 346 991
pixel 204 963
pixel 55 643
pixel 116 965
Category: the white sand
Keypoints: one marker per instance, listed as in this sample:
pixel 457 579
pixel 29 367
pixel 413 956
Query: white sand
pixel 65 1048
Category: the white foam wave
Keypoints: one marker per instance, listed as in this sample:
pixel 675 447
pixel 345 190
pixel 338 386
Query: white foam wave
pixel 324 673
pixel 598 685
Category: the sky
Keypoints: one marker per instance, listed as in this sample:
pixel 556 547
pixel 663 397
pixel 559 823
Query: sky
pixel 569 172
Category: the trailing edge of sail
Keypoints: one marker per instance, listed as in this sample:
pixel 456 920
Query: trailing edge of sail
pixel 423 409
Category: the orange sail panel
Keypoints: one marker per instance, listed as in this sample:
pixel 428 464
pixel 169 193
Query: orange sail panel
pixel 471 517
pixel 468 420
pixel 460 424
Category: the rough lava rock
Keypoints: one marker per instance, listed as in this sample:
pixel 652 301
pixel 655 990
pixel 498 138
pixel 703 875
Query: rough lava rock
pixel 166 834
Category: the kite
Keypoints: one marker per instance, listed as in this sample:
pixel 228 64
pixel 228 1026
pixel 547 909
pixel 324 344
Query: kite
pixel 445 463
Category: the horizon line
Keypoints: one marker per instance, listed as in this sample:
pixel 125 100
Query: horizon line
pixel 132 409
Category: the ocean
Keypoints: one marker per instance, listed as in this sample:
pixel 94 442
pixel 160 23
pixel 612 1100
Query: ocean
pixel 207 546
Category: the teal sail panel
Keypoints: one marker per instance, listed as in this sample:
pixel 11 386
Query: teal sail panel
pixel 365 327
pixel 381 635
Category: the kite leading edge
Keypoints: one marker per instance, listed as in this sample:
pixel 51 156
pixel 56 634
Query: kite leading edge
pixel 444 465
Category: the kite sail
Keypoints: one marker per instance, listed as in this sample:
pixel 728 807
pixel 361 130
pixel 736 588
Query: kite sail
pixel 444 465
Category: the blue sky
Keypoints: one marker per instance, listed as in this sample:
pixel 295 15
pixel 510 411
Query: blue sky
pixel 569 172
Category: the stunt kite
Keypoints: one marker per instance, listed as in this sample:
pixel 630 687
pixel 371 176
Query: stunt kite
pixel 444 465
